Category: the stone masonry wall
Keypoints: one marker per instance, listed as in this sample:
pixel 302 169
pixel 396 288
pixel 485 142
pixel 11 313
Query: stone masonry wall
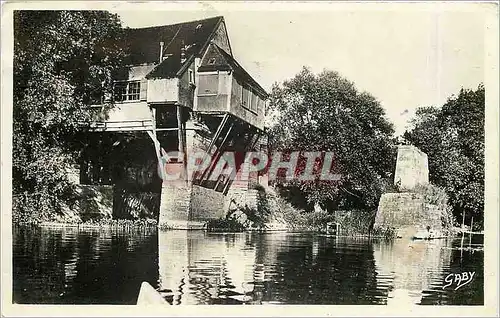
pixel 407 212
pixel 184 205
pixel 206 204
pixel 399 209
pixel 242 197
pixel 175 205
pixel 188 206
pixel 411 168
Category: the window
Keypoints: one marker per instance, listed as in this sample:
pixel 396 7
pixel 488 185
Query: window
pixel 126 91
pixel 191 77
pixel 211 61
pixel 245 96
pixel 134 90
pixel 253 105
pixel 208 84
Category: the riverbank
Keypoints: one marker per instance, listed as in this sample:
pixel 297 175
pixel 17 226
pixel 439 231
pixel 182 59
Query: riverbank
pixel 122 224
pixel 272 213
pixel 151 225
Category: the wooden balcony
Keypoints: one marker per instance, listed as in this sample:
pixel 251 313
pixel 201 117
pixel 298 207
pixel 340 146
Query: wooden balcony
pixel 123 125
pixel 127 116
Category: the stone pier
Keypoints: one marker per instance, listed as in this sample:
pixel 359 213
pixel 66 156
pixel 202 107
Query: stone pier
pixel 407 211
pixel 411 168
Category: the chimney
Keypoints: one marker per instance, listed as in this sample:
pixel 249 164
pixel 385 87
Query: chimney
pixel 161 51
pixel 183 53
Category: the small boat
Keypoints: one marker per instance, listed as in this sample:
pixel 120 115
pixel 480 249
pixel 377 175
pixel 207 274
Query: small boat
pixel 149 296
pixel 428 235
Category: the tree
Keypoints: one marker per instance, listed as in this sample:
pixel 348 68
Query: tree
pixel 453 138
pixel 62 60
pixel 324 112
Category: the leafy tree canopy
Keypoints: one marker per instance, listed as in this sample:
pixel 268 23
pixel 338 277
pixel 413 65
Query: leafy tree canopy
pixel 62 59
pixel 453 138
pixel 325 112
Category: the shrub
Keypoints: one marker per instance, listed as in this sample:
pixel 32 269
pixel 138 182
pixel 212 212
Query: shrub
pixel 225 225
pixel 259 216
pixel 386 233
pixel 355 222
pixel 437 196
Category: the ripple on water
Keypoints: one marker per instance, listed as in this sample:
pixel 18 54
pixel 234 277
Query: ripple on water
pixel 105 266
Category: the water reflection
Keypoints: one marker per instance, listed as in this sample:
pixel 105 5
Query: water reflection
pixel 414 265
pixel 82 266
pixel 107 266
pixel 201 268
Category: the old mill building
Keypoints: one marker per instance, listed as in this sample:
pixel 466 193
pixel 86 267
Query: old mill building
pixel 181 89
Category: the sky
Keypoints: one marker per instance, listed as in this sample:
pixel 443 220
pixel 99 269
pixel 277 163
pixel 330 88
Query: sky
pixel 405 55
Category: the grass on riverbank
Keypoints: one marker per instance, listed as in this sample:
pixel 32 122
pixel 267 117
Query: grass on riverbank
pixel 225 225
pixel 274 212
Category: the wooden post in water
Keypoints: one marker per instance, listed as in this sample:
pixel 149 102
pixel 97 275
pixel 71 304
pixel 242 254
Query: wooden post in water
pixel 471 231
pixel 463 221
pixel 463 233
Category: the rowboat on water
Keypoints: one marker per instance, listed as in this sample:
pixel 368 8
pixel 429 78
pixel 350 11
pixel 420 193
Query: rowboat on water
pixel 150 296
pixel 428 235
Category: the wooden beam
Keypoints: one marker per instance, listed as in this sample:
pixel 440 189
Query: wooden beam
pixel 157 146
pixel 167 129
pixel 252 144
pixel 219 154
pixel 217 132
pixel 217 113
pixel 180 138
pixel 214 139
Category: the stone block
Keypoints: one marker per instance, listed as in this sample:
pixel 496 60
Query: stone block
pixel 411 168
pixel 407 212
pixel 174 203
pixel 206 204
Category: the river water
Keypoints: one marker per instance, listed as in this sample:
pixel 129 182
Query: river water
pixel 107 266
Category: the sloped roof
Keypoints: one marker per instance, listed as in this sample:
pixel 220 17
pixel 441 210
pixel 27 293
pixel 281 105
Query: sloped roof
pixel 144 48
pixel 144 43
pixel 233 65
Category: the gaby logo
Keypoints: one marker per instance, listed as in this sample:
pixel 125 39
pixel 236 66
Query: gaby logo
pixel 458 279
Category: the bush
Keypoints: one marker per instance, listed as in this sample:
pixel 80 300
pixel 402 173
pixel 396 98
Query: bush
pixel 294 218
pixel 225 225
pixel 38 207
pixel 437 196
pixel 432 194
pixel 318 219
pixel 386 233
pixel 356 222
